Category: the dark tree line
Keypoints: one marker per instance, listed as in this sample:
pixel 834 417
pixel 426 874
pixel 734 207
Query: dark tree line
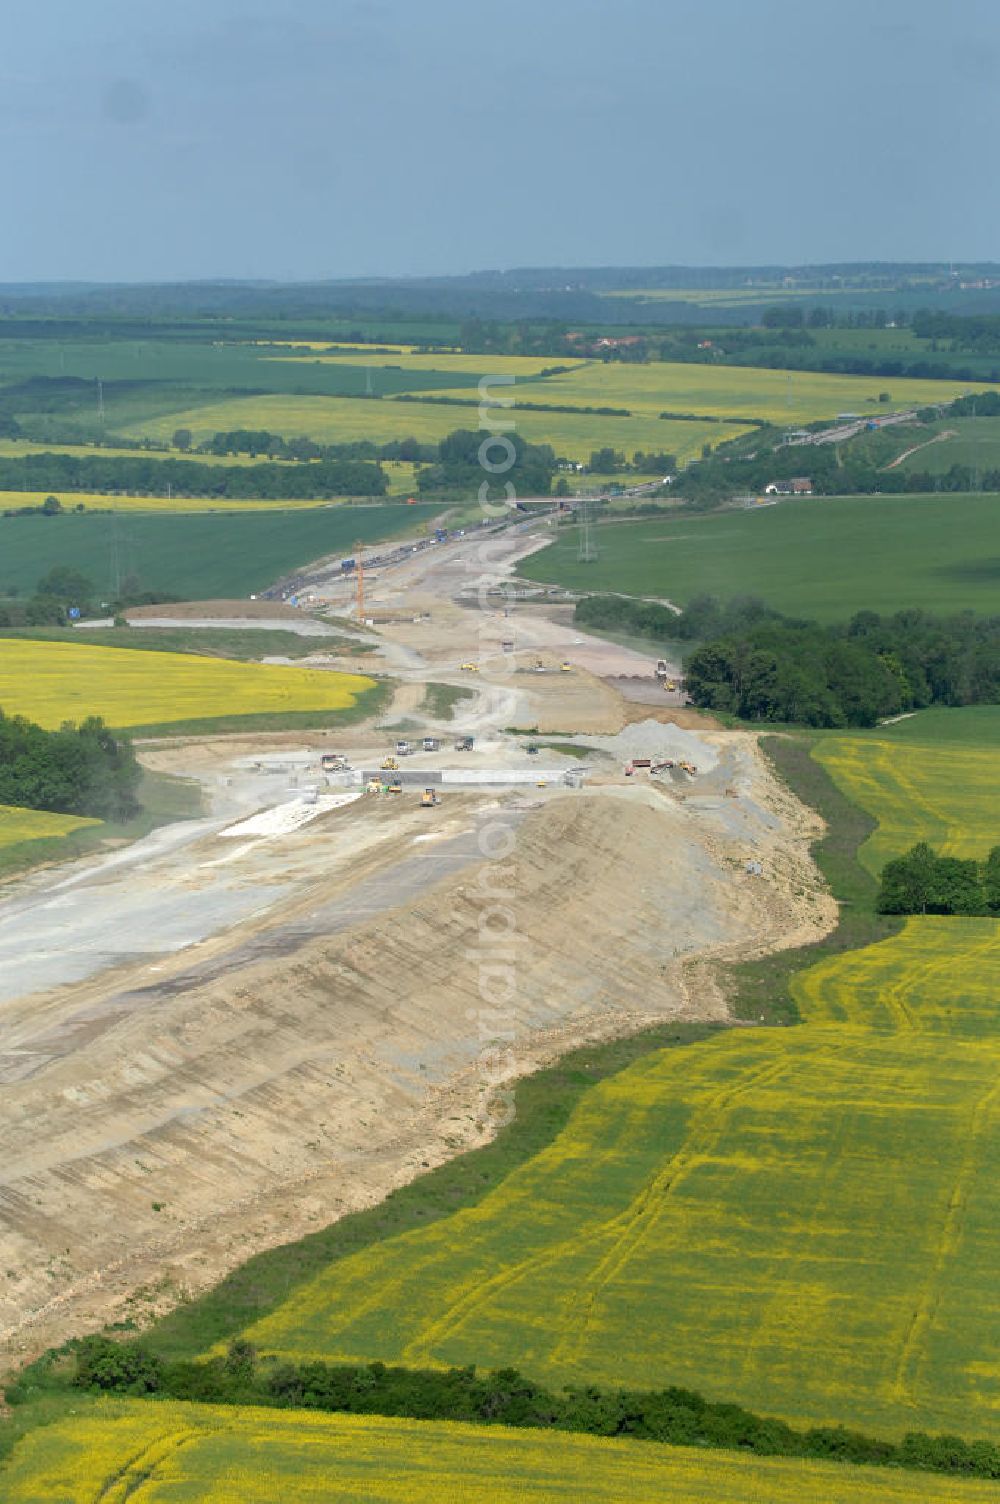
pixel 757 664
pixel 150 476
pixel 675 1416
pixel 254 441
pixel 77 770
pixel 468 459
pixel 923 882
pixel 975 332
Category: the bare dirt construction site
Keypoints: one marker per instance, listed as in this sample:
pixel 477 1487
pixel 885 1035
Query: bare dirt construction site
pixel 246 1025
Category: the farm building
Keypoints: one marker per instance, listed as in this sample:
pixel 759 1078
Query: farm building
pixel 799 485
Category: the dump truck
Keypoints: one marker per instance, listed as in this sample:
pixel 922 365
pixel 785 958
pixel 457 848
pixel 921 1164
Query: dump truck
pixel 428 799
pixel 661 668
pixel 402 748
pixel 465 744
pixel 431 744
pixel 333 762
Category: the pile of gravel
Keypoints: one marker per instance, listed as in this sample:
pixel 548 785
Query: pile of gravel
pixel 651 739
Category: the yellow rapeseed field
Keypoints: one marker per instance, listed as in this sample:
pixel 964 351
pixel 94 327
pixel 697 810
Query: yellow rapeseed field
pixel 800 1220
pixel 334 420
pixel 147 1453
pixel 944 793
pixel 51 682
pixel 402 477
pixel 782 397
pixel 17 825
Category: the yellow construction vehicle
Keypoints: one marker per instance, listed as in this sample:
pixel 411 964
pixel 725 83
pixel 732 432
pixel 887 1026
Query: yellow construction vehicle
pixel 428 799
pixel 389 765
pixel 565 668
pixel 469 668
pixel 395 787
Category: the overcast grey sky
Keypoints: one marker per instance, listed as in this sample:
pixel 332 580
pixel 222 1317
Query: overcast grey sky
pixel 330 138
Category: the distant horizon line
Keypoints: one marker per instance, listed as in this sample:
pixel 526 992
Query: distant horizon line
pixel 950 267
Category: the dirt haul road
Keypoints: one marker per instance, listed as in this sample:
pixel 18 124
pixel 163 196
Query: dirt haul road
pixel 250 1025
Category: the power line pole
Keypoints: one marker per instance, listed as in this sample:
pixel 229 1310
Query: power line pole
pixel 100 401
pixel 588 547
pixel 116 562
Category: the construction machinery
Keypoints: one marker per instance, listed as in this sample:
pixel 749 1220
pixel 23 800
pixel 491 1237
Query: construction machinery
pixel 670 685
pixel 333 762
pixel 565 668
pixel 661 668
pixel 389 765
pixel 395 787
pixel 431 744
pixel 402 748
pixel 428 799
pixel 465 744
pixel 469 668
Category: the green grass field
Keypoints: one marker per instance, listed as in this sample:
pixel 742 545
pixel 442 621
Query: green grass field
pixel 113 1451
pixel 797 1219
pixel 957 441
pixel 193 556
pixel 822 558
pixel 243 643
pixel 210 366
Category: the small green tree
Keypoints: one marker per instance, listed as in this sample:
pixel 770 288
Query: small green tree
pixel 908 882
pixel 66 585
pixel 991 881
